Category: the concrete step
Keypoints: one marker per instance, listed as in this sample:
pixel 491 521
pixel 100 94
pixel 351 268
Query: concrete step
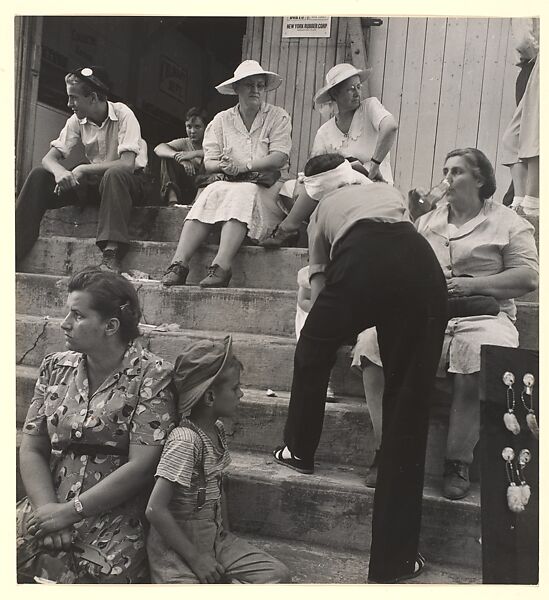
pixel 318 564
pixel 258 425
pixel 154 223
pixel 253 267
pixel 271 312
pixel 333 509
pixel 160 223
pixel 347 437
pixel 268 360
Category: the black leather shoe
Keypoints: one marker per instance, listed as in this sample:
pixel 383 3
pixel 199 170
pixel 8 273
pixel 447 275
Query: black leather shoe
pixel 176 274
pixel 456 482
pixel 216 277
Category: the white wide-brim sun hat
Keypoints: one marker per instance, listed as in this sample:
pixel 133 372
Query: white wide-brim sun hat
pixel 247 69
pixel 336 75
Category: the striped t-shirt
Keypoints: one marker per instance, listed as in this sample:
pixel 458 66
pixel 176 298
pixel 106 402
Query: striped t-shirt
pixel 185 449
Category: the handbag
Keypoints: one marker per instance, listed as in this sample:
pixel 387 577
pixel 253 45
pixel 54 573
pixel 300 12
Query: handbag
pixel 262 178
pixel 471 306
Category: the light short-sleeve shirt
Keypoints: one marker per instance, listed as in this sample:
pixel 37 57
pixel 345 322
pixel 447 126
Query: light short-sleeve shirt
pixel 227 134
pixel 187 452
pixel 495 240
pixel 120 132
pixel 361 139
pixel 341 209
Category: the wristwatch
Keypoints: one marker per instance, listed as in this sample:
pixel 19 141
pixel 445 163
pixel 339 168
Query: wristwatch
pixel 78 506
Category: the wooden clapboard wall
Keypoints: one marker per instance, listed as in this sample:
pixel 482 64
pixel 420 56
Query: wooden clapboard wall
pixel 448 81
pixel 302 63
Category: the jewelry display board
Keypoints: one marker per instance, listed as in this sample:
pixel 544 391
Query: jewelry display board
pixel 509 445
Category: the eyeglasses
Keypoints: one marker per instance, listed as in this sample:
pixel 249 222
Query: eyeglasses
pixel 351 88
pixel 87 75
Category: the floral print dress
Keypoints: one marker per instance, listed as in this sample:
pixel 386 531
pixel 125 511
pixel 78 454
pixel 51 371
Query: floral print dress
pixel 90 438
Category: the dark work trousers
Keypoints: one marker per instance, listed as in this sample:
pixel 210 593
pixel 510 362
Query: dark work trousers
pixel 115 193
pixel 173 175
pixel 384 275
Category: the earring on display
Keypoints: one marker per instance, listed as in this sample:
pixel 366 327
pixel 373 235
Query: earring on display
pixel 514 494
pixel 527 398
pixel 524 458
pixel 509 418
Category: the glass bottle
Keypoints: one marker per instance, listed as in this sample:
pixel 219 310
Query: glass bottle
pixel 435 194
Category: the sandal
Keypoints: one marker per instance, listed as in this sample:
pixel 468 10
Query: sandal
pixel 418 569
pixel 297 464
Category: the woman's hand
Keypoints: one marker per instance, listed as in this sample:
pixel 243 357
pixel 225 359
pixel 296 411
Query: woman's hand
pixel 374 173
pixel 206 568
pixel 230 167
pixel 61 540
pixel 417 205
pixel 461 286
pixel 51 518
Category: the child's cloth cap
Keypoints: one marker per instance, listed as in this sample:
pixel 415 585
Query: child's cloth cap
pixel 196 369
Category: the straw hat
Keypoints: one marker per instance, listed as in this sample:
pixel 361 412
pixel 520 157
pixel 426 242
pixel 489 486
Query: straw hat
pixel 197 368
pixel 247 69
pixel 336 75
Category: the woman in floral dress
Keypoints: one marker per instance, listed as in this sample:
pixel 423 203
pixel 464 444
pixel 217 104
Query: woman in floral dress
pixel 92 438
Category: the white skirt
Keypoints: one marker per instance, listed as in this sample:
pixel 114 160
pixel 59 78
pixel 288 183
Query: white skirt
pixel 462 341
pixel 249 203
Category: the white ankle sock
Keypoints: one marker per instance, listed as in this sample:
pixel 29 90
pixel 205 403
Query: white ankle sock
pixel 287 454
pixel 517 201
pixel 530 205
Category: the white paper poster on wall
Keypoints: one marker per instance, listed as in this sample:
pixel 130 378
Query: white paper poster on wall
pixel 311 27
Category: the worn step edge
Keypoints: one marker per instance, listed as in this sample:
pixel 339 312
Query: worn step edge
pixel 145 222
pixel 347 436
pixel 253 267
pixel 247 310
pixel 309 563
pixel 260 420
pixel 268 360
pixel 333 508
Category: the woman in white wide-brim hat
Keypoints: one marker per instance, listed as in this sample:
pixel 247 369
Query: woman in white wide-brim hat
pixel 361 129
pixel 247 146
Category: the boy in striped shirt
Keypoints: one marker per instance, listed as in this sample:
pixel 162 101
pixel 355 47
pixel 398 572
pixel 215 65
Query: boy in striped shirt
pixel 189 541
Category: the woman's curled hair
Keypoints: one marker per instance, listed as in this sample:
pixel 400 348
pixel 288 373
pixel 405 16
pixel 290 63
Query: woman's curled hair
pixel 481 167
pixel 111 296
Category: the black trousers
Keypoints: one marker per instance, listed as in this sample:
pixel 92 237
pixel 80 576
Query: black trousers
pixel 384 275
pixel 115 193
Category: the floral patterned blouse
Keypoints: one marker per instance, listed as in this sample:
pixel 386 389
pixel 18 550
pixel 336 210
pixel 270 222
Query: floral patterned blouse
pixel 90 438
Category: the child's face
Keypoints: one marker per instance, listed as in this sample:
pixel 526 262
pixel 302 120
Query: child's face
pixel 195 129
pixel 227 392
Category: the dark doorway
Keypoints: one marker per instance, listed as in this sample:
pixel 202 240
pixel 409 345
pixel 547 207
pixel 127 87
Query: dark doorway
pixel 159 66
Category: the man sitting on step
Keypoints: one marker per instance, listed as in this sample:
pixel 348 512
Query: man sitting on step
pixel 113 177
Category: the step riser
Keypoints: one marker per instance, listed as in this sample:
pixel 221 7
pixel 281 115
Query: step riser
pixel 340 519
pixel 343 519
pixel 252 267
pixel 266 364
pixel 155 223
pixel 247 311
pixel 158 223
pixel 347 437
